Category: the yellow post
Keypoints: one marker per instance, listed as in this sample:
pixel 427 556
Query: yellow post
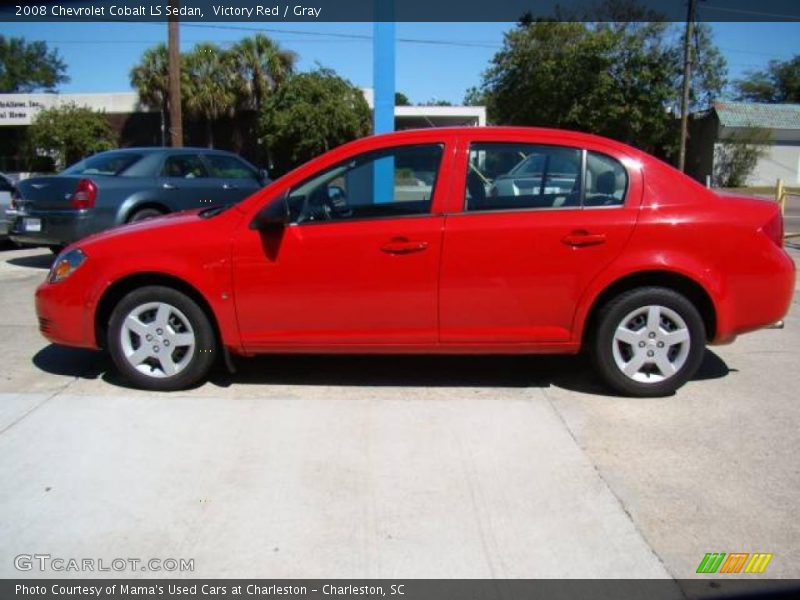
pixel 780 195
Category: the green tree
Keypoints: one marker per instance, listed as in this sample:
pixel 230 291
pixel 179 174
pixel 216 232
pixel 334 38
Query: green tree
pixel 613 78
pixel 208 85
pixel 312 113
pixel 29 66
pixel 261 66
pixel 150 78
pixel 737 157
pixel 779 82
pixel 474 96
pixel 69 133
pixel 400 99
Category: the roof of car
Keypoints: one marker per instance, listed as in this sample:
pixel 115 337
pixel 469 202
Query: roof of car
pixel 156 149
pixel 500 131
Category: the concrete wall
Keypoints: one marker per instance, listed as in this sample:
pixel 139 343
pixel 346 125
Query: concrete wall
pixel 780 161
pixel 781 158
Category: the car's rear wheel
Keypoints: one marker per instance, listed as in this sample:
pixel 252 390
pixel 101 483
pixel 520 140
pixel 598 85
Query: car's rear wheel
pixel 160 339
pixel 144 213
pixel 649 342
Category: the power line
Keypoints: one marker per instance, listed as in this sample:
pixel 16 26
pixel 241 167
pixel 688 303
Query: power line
pixel 354 36
pixel 193 41
pixel 753 13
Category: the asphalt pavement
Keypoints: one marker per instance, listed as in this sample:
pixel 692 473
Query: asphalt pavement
pixel 401 467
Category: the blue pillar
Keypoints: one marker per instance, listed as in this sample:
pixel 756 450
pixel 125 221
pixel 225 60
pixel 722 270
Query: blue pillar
pixel 383 46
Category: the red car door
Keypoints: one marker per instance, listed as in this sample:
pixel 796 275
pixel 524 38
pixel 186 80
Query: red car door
pixel 357 265
pixel 538 222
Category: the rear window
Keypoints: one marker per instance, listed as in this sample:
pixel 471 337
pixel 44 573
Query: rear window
pixel 114 163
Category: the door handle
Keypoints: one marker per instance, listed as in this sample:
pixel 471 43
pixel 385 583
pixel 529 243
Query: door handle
pixel 169 186
pixel 581 237
pixel 226 186
pixel 403 246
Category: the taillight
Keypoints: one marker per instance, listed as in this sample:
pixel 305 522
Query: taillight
pixel 774 229
pixel 85 195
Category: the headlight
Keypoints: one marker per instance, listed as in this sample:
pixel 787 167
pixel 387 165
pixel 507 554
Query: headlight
pixel 65 265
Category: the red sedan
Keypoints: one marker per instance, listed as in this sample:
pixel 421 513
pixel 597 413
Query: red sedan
pixel 473 240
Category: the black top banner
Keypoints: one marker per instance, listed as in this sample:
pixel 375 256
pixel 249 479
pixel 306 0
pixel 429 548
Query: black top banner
pixel 271 11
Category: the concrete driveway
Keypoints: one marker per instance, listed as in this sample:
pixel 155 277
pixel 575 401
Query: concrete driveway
pixel 399 467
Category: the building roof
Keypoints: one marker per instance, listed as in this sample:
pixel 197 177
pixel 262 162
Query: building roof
pixel 754 114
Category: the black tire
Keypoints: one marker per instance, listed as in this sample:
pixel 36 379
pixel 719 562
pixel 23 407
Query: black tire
pixel 56 249
pixel 144 213
pixel 186 318
pixel 611 355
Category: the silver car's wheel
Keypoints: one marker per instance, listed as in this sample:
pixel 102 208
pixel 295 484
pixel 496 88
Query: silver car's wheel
pixel 157 339
pixel 161 339
pixel 651 344
pixel 649 341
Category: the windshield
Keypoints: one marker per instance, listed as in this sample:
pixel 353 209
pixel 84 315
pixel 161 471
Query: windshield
pixel 111 163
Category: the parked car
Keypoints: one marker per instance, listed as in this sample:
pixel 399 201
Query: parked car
pixel 125 186
pixel 641 266
pixel 525 179
pixel 6 190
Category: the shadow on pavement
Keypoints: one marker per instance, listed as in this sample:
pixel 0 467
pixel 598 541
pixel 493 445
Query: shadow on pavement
pixel 398 370
pixel 568 372
pixel 37 261
pixel 72 362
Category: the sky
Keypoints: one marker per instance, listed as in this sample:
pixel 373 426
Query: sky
pixel 435 61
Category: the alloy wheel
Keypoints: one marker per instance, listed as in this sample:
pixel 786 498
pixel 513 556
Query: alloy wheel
pixel 651 344
pixel 157 339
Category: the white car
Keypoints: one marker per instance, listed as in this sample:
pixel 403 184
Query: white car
pixel 6 187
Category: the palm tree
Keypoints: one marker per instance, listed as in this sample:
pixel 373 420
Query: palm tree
pixel 261 66
pixel 210 90
pixel 151 80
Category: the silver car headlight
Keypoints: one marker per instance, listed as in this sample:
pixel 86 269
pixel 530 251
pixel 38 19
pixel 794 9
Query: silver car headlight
pixel 66 264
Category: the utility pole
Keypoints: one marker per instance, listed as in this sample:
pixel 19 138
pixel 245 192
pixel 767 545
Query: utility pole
pixel 687 82
pixel 175 117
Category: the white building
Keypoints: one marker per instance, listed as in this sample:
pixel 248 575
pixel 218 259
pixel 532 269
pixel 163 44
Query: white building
pixel 711 129
pixel 19 109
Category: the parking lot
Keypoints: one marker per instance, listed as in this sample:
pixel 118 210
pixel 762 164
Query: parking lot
pixel 396 467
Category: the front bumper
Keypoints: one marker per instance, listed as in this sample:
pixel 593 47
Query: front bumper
pixel 58 227
pixel 66 311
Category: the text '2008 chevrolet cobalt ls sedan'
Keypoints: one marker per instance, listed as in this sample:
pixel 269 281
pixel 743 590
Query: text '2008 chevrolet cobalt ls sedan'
pixel 473 240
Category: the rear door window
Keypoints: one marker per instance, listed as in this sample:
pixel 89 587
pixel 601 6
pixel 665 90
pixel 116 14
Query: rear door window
pixel 507 176
pixel 184 166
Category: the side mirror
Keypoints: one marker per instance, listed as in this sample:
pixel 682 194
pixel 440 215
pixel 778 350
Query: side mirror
pixel 273 215
pixel 263 176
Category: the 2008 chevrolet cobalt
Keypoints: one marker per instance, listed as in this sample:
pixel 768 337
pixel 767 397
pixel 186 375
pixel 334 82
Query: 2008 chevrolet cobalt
pixel 473 240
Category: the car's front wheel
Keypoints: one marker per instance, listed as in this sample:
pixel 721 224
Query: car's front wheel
pixel 649 341
pixel 160 339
